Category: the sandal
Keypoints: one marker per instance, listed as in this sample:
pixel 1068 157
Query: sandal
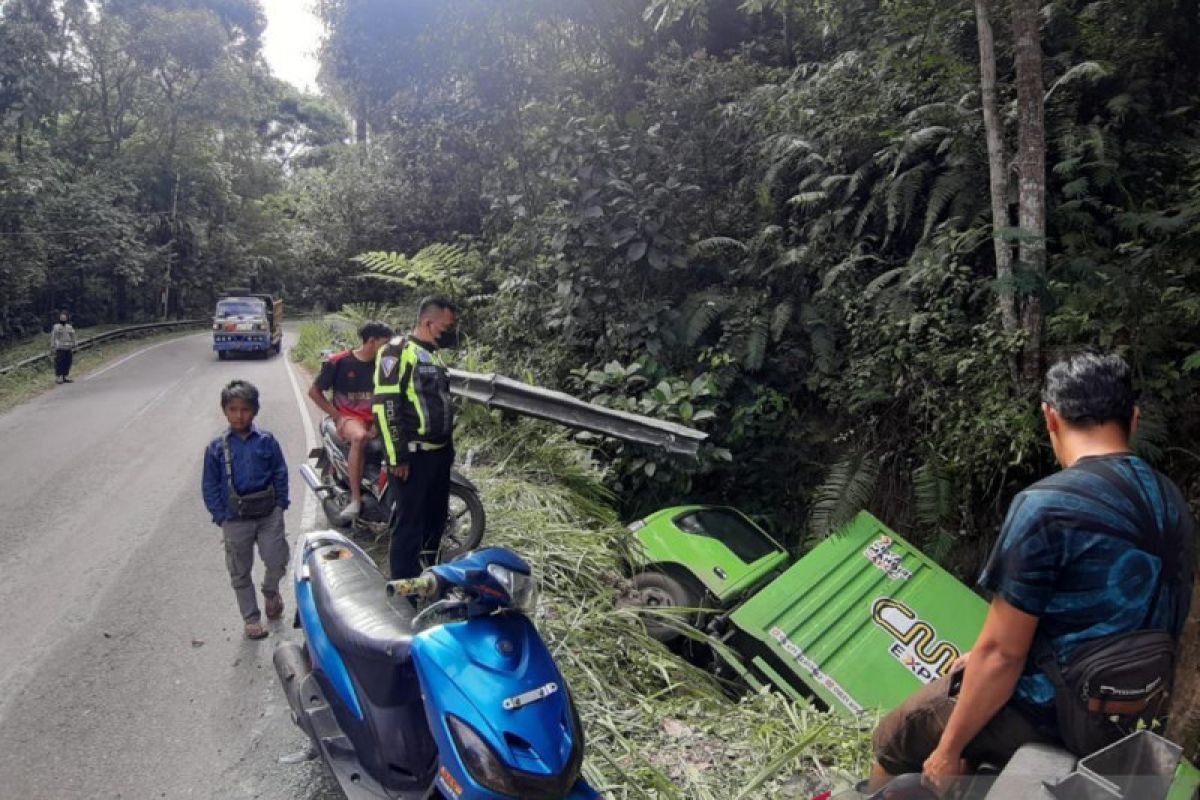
pixel 255 630
pixel 274 606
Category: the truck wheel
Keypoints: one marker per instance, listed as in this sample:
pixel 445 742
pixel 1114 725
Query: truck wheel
pixel 661 591
pixel 223 355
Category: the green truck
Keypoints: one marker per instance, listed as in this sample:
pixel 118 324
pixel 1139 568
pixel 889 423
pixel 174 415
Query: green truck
pixel 859 623
pixel 856 625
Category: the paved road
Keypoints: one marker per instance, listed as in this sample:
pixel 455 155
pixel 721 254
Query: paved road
pixel 123 670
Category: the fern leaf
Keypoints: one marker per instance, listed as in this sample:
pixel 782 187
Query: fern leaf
pixel 846 267
pixel 924 137
pixel 708 309
pixel 846 490
pixel 780 317
pixel 945 189
pixel 807 200
pixel 934 494
pixel 789 258
pixel 1088 70
pixel 881 282
pixel 870 209
pixel 715 244
pixel 442 266
pixel 756 344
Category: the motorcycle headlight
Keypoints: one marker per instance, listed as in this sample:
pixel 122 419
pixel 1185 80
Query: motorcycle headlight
pixel 480 760
pixel 521 588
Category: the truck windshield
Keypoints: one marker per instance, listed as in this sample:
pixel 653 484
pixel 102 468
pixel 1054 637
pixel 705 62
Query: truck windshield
pixel 730 528
pixel 241 308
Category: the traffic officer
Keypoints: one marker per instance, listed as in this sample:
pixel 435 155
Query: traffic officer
pixel 416 423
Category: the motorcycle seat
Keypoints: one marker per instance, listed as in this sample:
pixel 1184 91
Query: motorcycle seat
pixel 358 616
pixel 374 446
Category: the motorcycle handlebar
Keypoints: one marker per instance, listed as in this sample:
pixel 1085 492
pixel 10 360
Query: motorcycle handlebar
pixel 423 585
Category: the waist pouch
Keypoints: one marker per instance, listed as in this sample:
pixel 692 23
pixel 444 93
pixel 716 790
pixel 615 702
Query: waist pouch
pixel 1130 669
pixel 254 505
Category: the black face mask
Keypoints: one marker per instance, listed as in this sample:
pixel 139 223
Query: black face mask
pixel 448 340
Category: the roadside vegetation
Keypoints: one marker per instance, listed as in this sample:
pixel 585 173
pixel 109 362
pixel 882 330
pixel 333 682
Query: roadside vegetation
pixel 657 726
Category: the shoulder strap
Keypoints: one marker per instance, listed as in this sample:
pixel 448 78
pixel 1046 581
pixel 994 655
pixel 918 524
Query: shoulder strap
pixel 229 465
pixel 1153 545
pixel 1047 662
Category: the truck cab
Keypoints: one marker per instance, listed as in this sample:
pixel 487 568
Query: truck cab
pixel 247 322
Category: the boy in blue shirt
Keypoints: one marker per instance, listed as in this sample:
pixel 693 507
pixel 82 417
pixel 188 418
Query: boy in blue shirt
pixel 249 460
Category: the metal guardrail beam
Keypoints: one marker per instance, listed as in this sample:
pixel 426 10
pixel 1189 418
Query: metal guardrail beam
pixel 119 333
pixel 497 391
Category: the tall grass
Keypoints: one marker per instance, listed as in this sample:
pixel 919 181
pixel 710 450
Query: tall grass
pixel 657 726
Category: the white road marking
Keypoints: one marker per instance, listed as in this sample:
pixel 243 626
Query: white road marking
pixel 308 514
pixel 133 355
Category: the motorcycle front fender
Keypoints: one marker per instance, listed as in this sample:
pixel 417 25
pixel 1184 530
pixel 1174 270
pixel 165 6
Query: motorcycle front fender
pixel 457 477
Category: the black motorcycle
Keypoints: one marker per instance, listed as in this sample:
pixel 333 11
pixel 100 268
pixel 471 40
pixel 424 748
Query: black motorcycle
pixel 331 483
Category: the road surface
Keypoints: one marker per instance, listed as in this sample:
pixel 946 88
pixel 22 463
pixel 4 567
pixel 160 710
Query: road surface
pixel 123 669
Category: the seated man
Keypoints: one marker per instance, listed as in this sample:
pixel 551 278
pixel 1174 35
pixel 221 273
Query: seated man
pixel 350 374
pixel 1075 561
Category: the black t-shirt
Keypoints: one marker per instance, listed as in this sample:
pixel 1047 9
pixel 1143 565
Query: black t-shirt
pixel 352 382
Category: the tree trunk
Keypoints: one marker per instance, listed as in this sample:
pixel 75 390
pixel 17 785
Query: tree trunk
pixel 360 121
pixel 997 170
pixel 1184 726
pixel 1031 168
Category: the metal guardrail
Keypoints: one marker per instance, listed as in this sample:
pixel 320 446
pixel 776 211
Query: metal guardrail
pixel 497 391
pixel 119 333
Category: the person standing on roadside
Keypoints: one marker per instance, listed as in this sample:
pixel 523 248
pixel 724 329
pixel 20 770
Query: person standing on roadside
pixel 246 490
pixel 416 422
pixel 62 347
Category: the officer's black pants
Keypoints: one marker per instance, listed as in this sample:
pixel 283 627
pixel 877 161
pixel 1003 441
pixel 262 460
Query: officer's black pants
pixel 62 363
pixel 424 501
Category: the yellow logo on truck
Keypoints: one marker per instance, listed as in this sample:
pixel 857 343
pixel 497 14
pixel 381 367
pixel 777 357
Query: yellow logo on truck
pixel 916 646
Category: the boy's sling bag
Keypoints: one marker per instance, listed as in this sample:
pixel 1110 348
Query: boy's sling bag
pixel 254 505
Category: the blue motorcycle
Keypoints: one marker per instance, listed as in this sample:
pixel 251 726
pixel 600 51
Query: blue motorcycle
pixel 460 701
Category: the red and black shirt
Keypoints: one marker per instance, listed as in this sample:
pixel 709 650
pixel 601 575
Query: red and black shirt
pixel 352 382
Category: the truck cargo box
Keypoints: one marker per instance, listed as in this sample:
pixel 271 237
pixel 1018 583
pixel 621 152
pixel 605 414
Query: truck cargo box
pixel 860 622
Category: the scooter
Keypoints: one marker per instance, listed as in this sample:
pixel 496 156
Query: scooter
pixel 464 524
pixel 460 701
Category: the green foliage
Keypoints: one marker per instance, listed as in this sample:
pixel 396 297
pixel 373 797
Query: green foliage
pixel 139 144
pixel 443 268
pixel 847 489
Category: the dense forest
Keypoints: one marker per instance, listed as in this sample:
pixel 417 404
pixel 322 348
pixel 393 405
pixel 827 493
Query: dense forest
pixel 843 237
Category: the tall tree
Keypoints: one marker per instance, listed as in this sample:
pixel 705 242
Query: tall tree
pixel 997 166
pixel 1031 171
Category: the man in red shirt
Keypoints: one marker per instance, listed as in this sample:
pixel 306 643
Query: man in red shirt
pixel 350 374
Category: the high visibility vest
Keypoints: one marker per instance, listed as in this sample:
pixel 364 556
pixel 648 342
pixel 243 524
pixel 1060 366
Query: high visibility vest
pixel 412 399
